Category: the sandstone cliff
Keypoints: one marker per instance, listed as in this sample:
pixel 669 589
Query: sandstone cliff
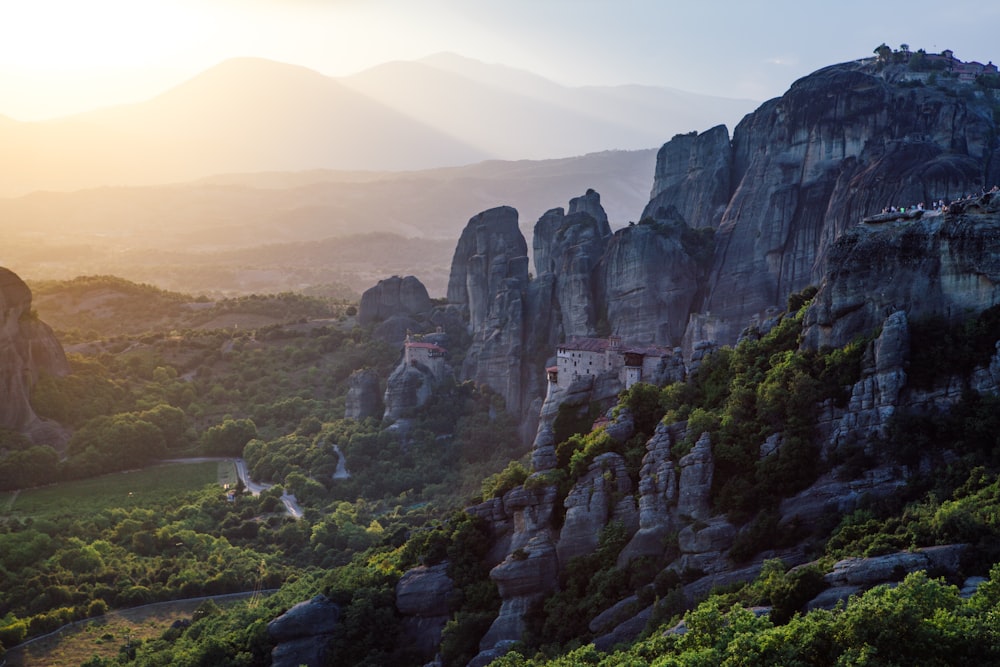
pixel 27 348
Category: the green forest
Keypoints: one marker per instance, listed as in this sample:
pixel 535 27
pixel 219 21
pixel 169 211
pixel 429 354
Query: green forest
pixel 159 376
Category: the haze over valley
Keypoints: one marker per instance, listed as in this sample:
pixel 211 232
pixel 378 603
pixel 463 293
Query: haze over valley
pixel 316 349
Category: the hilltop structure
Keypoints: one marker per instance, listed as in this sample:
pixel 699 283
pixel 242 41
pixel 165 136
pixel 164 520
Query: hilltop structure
pixel 595 356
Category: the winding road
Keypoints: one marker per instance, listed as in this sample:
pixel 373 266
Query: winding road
pixel 289 500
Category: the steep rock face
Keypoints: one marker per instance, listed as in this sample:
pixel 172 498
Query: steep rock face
pixel 393 296
pixel 842 143
pixel 567 248
pixel 27 348
pixel 408 388
pixel 697 468
pixel 522 579
pixel 693 175
pixel 362 395
pixel 875 397
pixel 657 496
pixel 649 283
pixel 602 495
pixel 940 264
pixel 488 281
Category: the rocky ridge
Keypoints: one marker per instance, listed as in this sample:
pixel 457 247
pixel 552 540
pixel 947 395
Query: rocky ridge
pixel 785 195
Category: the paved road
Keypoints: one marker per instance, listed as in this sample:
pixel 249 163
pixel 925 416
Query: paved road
pixel 290 502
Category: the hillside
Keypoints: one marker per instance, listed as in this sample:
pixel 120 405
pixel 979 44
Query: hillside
pixel 756 426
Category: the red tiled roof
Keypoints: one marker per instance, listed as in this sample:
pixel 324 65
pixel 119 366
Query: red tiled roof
pixel 424 346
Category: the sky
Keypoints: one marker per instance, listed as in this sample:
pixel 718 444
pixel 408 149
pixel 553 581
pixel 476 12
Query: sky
pixel 59 57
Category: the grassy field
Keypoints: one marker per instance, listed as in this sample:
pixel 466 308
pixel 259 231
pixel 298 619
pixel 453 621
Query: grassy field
pixel 138 488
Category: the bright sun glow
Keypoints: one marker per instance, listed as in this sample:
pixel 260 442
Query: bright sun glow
pixel 62 35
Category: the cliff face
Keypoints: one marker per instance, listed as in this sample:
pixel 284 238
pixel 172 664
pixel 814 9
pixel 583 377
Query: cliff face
pixel 938 265
pixel 694 174
pixel 488 282
pixel 27 348
pixel 842 143
pixel 648 283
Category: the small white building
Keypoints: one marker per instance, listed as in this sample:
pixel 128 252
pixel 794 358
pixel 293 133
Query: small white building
pixel 580 357
pixel 429 355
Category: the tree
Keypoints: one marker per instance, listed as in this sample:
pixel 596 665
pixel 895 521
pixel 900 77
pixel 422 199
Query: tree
pixel 229 437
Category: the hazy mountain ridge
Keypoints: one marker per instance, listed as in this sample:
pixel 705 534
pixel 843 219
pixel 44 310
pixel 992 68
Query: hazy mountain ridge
pixel 258 115
pixel 157 234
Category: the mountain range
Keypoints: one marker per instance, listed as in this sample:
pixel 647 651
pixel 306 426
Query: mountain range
pixel 249 115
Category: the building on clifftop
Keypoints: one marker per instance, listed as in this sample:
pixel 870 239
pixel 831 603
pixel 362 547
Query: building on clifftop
pixel 421 353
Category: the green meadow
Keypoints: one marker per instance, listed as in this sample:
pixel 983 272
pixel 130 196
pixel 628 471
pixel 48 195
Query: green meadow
pixel 146 488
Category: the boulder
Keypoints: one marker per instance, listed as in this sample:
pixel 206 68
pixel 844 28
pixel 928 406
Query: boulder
pixel 313 651
pixel 424 591
pixel 317 616
pixel 867 572
pixel 393 296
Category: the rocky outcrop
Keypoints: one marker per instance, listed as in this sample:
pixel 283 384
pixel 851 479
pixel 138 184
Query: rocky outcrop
pixel 602 495
pixel 693 175
pixel 697 468
pixel 567 249
pixel 524 577
pixel 395 296
pixel 407 389
pixel 875 397
pixel 842 143
pixel 937 265
pixel 27 349
pixel 302 634
pixel 657 496
pixel 362 395
pixel 488 282
pixel 866 572
pixel 422 598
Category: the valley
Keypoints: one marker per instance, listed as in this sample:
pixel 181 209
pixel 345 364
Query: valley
pixel 739 426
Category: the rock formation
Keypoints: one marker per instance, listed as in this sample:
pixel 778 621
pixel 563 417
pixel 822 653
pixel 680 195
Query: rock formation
pixel 422 598
pixel 395 306
pixel 392 297
pixel 842 143
pixel 302 633
pixel 488 281
pixel 27 349
pixel 602 495
pixel 649 282
pixel 362 396
pixel 693 174
pixel 939 264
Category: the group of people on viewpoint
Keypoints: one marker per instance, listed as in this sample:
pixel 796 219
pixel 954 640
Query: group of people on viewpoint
pixel 939 205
